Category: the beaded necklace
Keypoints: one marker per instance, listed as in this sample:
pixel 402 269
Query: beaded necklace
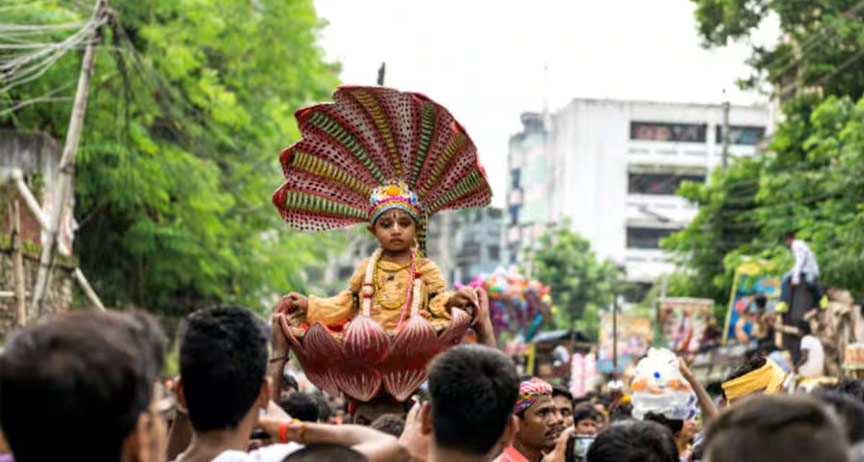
pixel 370 284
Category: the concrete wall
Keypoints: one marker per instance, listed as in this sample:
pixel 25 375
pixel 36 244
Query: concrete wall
pixel 37 156
pixel 58 299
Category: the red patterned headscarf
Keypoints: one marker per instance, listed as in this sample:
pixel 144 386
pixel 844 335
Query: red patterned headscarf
pixel 529 392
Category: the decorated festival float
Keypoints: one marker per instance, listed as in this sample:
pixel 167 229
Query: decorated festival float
pixel 517 306
pixel 754 325
pixel 388 159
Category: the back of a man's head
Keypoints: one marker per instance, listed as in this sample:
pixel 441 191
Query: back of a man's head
pixel 326 452
pixel 472 391
pixel 301 406
pixel 223 363
pixel 74 387
pixel 849 410
pixel 634 441
pixel 674 425
pixel 787 428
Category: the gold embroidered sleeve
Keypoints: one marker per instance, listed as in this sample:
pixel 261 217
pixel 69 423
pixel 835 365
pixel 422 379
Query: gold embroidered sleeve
pixel 334 310
pixel 436 290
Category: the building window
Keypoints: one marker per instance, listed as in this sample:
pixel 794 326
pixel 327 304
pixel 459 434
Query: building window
pixel 647 238
pixel 494 252
pixel 658 183
pixel 658 131
pixel 515 179
pixel 514 253
pixel 739 134
pixel 514 214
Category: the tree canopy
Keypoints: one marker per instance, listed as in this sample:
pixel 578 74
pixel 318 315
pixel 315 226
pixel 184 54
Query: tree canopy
pixel 190 105
pixel 581 283
pixel 813 186
pixel 822 42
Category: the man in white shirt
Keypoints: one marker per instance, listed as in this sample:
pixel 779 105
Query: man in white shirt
pixel 812 362
pixel 806 269
pixel 224 387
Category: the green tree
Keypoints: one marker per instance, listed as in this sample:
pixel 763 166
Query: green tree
pixel 723 224
pixel 190 105
pixel 813 185
pixel 581 283
pixel 822 46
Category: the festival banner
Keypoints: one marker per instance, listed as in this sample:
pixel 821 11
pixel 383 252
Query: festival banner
pixel 683 322
pixel 750 282
pixel 635 336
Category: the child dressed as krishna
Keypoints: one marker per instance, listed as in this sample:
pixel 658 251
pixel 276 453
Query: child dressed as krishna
pixel 396 271
pixel 390 159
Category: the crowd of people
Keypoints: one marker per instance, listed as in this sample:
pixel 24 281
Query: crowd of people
pixel 88 386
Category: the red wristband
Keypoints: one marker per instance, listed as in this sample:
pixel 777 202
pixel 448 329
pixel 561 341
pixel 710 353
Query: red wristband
pixel 283 430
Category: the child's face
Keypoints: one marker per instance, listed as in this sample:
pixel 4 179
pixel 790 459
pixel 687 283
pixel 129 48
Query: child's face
pixel 586 427
pixel 395 230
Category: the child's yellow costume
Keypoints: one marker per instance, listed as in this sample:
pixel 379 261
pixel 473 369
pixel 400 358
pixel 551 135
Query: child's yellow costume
pixel 391 290
pixel 374 150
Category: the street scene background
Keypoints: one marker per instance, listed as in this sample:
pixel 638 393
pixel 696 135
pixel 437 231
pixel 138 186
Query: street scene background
pixel 647 160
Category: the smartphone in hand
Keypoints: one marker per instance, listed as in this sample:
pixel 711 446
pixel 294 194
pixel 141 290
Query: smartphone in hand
pixel 577 448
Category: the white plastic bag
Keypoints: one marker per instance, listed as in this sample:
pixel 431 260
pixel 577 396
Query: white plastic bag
pixel 659 387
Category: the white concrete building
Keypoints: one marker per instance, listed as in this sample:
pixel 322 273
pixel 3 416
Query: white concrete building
pixel 611 169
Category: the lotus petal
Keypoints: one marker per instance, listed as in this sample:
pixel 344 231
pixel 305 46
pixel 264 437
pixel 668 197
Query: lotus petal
pixel 405 367
pixel 455 331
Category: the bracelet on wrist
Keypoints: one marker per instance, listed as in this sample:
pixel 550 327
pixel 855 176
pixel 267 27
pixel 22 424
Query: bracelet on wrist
pixel 283 429
pixel 295 425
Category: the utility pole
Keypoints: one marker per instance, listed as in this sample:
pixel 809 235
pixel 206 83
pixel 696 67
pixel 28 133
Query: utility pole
pixel 65 181
pixel 726 135
pixel 381 71
pixel 615 334
pixel 18 264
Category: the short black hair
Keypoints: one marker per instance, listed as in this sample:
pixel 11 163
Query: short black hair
pixel 301 406
pixel 674 425
pixel 223 363
pixel 634 441
pixel 391 424
pixel 325 452
pixel 789 235
pixel 698 452
pixel 323 408
pixel 851 387
pixel 773 427
pixel 581 399
pixel 473 390
pixel 620 411
pixel 714 388
pixel 558 390
pixel 848 409
pixel 88 375
pixel 585 412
